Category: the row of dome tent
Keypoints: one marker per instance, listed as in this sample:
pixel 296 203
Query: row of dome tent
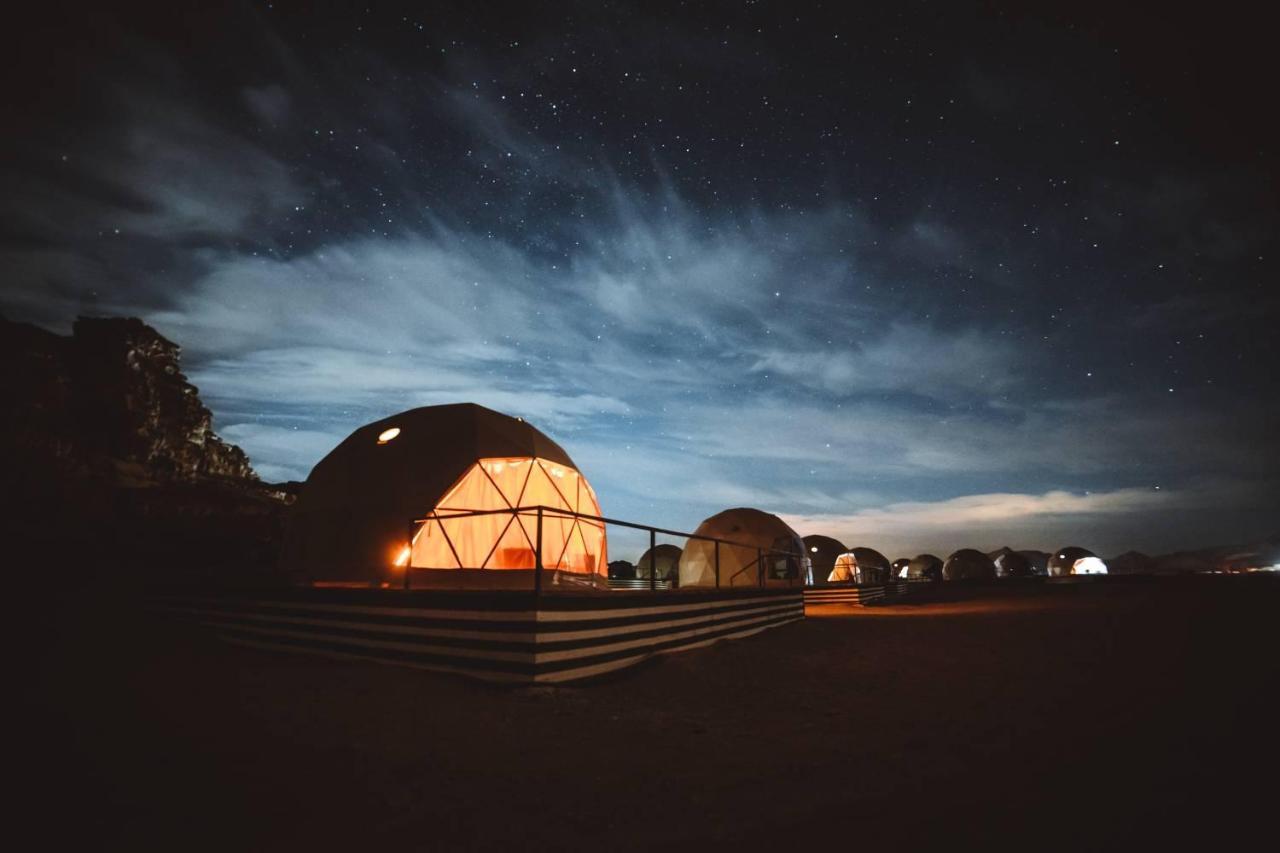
pixel 463 497
pixel 833 562
pixel 448 494
pixel 739 547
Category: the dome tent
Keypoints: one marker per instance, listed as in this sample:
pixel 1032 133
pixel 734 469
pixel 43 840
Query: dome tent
pixel 1064 560
pixel 968 564
pixel 756 534
pixel 900 567
pixel 622 570
pixel 863 565
pixel 354 519
pixel 822 552
pixel 875 567
pixel 925 566
pixel 1010 563
pixel 665 557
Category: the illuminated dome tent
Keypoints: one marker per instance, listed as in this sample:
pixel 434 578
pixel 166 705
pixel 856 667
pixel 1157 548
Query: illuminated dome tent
pixel 861 565
pixel 667 559
pixel 1064 562
pixel 822 552
pixel 968 564
pixel 900 567
pixel 1075 561
pixel 925 566
pixel 353 522
pixel 783 551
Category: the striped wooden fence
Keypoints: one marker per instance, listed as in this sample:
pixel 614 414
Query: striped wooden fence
pixel 865 594
pixel 506 636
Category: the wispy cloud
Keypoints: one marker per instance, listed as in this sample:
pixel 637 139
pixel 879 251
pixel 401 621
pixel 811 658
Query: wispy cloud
pixel 692 349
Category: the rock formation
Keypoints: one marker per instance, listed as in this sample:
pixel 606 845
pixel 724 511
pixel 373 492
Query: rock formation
pixel 110 456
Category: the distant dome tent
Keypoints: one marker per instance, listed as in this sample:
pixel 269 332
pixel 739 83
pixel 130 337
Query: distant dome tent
pixel 665 557
pixel 822 552
pixel 1010 564
pixel 924 567
pixel 900 567
pixel 622 570
pixel 968 564
pixel 403 492
pixel 862 565
pixel 765 546
pixel 1064 561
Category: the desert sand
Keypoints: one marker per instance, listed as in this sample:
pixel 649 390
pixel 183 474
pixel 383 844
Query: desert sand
pixel 1091 716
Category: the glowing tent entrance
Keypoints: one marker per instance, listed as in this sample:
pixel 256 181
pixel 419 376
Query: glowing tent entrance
pixel 508 540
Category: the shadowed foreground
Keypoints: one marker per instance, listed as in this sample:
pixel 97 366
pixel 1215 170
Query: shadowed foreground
pixel 1094 716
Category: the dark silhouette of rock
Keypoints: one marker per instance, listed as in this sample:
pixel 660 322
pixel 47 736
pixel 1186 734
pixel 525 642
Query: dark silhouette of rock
pixel 1132 563
pixel 110 401
pixel 110 458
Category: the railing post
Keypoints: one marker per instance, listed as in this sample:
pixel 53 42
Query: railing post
pixel 653 561
pixel 717 563
pixel 537 556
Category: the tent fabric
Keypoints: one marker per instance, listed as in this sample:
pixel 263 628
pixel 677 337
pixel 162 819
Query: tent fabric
pixel 822 552
pixel 968 564
pixel 751 529
pixel 1088 566
pixel 861 565
pixel 925 566
pixel 1064 559
pixel 354 516
pixel 667 559
pixel 509 541
pixel 844 569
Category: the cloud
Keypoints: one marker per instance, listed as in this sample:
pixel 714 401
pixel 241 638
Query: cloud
pixel 693 347
pixel 909 357
pixel 286 453
pixel 271 103
pixel 1108 522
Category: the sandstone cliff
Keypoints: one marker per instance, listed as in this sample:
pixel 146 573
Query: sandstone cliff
pixel 110 458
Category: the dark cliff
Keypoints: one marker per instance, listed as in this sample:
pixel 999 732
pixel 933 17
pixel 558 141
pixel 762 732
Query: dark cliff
pixel 110 459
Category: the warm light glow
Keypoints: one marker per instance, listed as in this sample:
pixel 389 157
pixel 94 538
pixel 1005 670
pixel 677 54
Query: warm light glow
pixel 388 434
pixel 402 559
pixel 1089 566
pixel 503 541
pixel 845 569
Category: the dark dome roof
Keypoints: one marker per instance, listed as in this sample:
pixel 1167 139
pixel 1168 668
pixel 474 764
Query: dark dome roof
pixel 925 566
pixel 1063 559
pixel 359 500
pixel 1010 564
pixel 870 558
pixel 822 551
pixel 667 557
pixel 967 564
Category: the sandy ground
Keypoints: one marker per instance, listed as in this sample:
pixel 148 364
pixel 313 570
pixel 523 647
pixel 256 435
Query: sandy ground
pixel 1072 717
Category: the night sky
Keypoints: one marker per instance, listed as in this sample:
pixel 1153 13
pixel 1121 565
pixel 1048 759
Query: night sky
pixel 919 278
